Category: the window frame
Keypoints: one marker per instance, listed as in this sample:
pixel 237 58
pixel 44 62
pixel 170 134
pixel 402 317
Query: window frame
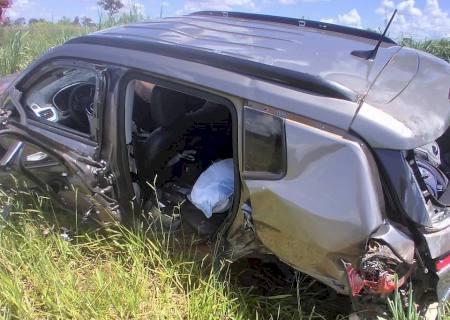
pixel 131 74
pixel 33 76
pixel 264 175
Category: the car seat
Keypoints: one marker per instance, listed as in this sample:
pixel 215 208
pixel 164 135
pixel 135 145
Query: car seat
pixel 168 112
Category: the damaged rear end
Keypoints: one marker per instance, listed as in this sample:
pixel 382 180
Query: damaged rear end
pixel 408 131
pixel 386 265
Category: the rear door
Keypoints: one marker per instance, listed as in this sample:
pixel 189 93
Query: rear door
pixel 54 150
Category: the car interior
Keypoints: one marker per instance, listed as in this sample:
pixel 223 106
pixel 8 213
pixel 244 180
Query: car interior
pixel 64 96
pixel 173 138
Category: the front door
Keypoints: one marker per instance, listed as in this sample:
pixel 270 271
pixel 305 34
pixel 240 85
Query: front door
pixel 49 139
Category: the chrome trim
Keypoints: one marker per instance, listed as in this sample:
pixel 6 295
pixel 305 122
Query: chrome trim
pixel 398 241
pixel 438 242
pixel 37 109
pixel 37 156
pixel 11 154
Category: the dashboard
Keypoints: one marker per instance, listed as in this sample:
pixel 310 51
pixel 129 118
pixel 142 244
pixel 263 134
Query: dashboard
pixel 65 97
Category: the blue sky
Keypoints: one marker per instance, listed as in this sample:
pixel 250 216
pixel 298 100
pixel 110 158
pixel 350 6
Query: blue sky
pixel 418 18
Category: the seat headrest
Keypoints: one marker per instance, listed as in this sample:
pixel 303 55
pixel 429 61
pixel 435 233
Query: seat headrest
pixel 211 113
pixel 167 106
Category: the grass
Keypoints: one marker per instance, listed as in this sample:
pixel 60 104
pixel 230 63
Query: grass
pixel 20 45
pixel 112 273
pixel 439 48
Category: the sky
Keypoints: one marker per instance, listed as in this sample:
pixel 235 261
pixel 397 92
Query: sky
pixel 415 18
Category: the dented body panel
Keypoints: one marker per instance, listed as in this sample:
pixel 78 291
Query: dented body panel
pixel 68 178
pixel 317 213
pixel 408 105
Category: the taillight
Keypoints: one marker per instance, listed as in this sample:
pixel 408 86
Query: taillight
pixel 442 263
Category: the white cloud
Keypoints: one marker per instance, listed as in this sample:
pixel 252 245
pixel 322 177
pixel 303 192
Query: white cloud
pixel 132 5
pixel 224 5
pixel 428 21
pixel 408 7
pixel 93 8
pixel 351 18
pixel 290 2
pixel 27 9
pixel 388 4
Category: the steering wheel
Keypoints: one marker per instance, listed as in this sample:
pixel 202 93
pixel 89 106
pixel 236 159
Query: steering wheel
pixel 79 104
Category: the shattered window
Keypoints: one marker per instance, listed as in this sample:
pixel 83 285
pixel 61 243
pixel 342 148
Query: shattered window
pixel 263 142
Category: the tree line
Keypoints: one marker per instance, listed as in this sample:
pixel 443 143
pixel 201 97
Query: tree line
pixel 111 7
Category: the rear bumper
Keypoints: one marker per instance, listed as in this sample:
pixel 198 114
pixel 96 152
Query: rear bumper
pixel 443 286
pixel 438 242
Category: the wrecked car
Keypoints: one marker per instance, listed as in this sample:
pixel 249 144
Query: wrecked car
pixel 334 161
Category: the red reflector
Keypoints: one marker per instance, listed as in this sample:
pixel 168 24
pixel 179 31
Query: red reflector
pixel 442 263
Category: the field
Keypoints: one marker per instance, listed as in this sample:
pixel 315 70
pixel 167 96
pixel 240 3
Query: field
pixel 112 273
pixel 115 272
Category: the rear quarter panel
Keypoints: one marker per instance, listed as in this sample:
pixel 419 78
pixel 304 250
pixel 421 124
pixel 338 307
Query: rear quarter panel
pixel 326 206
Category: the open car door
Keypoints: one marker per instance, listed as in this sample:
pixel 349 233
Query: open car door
pixel 54 163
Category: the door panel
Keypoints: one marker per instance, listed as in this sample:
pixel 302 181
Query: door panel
pixel 75 182
pixel 58 155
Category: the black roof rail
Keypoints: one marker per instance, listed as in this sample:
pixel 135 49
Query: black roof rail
pixel 294 79
pixel 297 22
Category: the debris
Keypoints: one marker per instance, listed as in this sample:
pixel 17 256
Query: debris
pixel 5 213
pixel 47 230
pixel 65 234
pixel 354 279
pixel 380 271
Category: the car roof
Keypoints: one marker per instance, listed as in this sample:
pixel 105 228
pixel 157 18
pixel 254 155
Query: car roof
pixel 314 56
pixel 305 23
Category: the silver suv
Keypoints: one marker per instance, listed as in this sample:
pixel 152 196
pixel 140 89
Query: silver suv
pixel 337 138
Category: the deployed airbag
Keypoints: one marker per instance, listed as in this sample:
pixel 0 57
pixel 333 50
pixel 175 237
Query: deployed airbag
pixel 213 191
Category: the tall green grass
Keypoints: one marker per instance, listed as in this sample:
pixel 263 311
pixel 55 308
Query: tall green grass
pixel 128 273
pixel 20 45
pixel 113 273
pixel 439 48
